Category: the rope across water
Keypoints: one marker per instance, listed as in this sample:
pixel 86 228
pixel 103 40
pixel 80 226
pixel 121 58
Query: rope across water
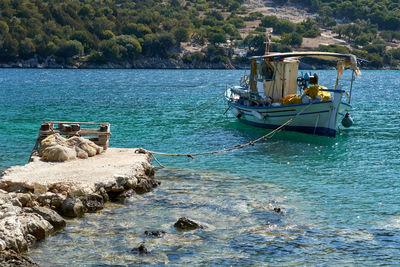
pixel 191 155
pixel 262 138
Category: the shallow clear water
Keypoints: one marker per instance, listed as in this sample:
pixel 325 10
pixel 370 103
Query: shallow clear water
pixel 339 196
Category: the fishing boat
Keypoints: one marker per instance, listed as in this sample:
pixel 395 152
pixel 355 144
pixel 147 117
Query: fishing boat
pixel 275 94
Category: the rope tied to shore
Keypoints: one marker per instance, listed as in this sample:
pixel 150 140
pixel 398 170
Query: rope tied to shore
pixel 251 143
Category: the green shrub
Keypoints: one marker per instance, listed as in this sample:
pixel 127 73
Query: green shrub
pixel 26 48
pixel 69 49
pixel 131 45
pixel 110 50
pixel 334 48
pixel 269 21
pixel 285 26
pixel 97 58
pixel 187 58
pixel 294 39
pixel 158 44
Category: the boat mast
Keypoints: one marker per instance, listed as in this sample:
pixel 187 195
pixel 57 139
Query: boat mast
pixel 268 44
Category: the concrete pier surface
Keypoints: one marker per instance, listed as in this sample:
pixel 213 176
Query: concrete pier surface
pixel 83 174
pixel 35 198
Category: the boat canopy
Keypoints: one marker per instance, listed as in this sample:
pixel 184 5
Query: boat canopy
pixel 344 60
pixel 319 55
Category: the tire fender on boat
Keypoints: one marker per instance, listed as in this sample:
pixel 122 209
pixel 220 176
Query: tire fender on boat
pixel 236 112
pixel 257 114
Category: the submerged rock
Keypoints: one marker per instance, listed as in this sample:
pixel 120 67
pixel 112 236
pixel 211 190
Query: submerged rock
pixel 127 194
pixel 145 185
pixel 158 233
pixel 277 210
pixel 184 224
pixel 141 250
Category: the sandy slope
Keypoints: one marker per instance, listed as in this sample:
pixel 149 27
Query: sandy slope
pixel 290 12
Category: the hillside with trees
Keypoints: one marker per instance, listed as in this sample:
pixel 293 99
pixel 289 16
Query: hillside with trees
pixel 195 33
pixel 371 27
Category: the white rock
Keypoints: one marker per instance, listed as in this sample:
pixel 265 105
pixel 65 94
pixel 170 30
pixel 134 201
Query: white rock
pixel 3 245
pixel 15 209
pixel 49 194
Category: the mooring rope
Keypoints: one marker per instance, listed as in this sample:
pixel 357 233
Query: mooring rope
pixel 159 163
pixel 191 155
pixel 262 138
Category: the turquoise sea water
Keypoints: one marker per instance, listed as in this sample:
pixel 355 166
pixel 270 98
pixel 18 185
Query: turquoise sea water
pixel 339 196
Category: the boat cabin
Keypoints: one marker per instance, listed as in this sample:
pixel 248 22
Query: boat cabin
pixel 275 77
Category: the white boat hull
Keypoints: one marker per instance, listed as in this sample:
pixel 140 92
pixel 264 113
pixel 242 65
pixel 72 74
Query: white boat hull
pixel 319 117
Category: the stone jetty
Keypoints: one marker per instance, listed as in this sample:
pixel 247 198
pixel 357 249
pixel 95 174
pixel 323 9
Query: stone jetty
pixel 35 198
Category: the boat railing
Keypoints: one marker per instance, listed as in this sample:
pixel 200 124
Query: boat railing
pixel 333 90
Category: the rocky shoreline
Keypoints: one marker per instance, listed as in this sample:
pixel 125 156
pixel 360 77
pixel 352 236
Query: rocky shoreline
pixel 142 63
pixel 158 63
pixel 35 198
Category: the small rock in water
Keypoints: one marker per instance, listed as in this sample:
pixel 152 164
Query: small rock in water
pixel 146 185
pixel 141 250
pixel 94 202
pixel 127 194
pixel 277 210
pixel 186 224
pixel 154 233
pixel 72 207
